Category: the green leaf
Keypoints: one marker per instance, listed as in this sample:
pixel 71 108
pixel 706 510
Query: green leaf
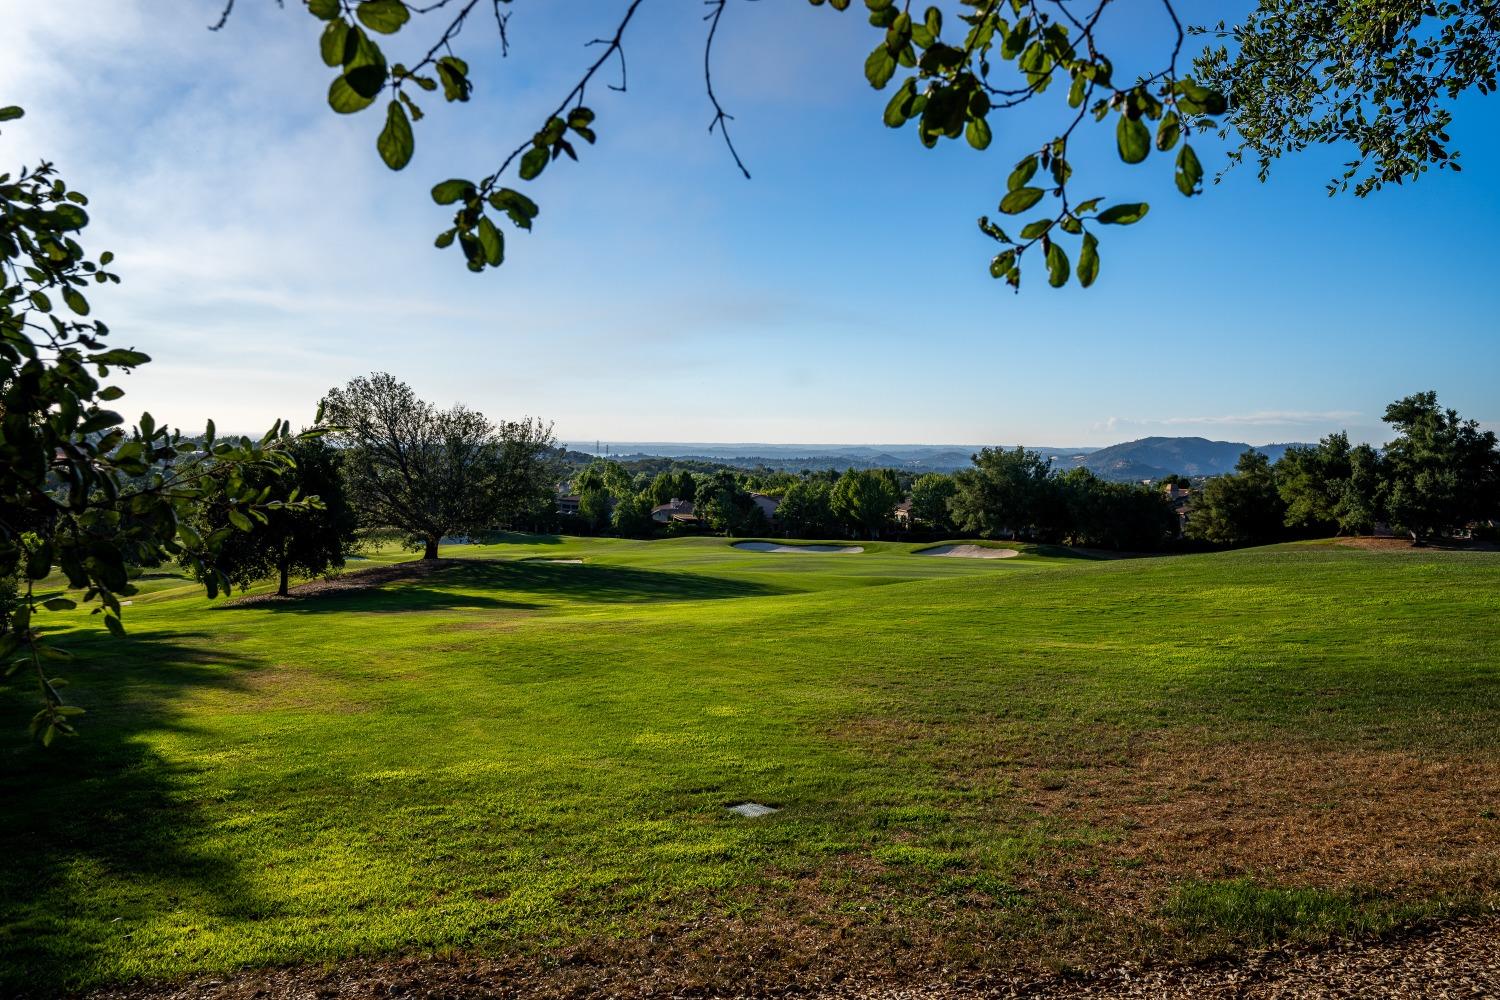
pixel 325 9
pixel 120 357
pixel 240 521
pixel 1189 171
pixel 1088 260
pixel 899 110
pixel 1020 200
pixel 75 301
pixel 384 16
pixel 115 628
pixel 110 393
pixel 10 113
pixel 1002 262
pixel 59 604
pixel 1025 170
pixel 1133 138
pixel 450 191
pixel 533 163
pixel 1035 228
pixel 395 142
pixel 39 561
pixel 343 98
pixel 454 73
pixel 880 66
pixel 367 79
pixel 1124 214
pixel 331 45
pixel 1168 131
pixel 521 209
pixel 1057 266
pixel 978 133
pixel 492 241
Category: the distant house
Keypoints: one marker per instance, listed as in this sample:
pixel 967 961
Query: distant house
pixel 1176 494
pixel 567 503
pixel 675 510
pixel 1180 498
pixel 902 514
pixel 766 504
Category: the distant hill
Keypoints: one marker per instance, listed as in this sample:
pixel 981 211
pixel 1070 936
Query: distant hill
pixel 1155 457
pixel 1148 458
pixel 796 457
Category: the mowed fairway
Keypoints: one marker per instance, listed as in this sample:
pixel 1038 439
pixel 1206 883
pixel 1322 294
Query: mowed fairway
pixel 980 765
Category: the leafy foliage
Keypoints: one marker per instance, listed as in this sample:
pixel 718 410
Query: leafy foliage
pixel 1441 470
pixel 307 542
pixel 1005 494
pixel 863 499
pixel 431 472
pixel 79 491
pixel 1376 74
pixel 1244 508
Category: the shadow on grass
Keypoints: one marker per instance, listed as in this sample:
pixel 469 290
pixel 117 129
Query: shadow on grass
pixel 469 583
pixel 105 804
pixel 515 538
pixel 600 582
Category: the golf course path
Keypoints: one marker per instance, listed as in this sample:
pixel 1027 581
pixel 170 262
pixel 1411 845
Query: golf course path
pixel 1458 959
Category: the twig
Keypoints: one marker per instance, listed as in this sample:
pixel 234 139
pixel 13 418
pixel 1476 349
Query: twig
pixel 721 117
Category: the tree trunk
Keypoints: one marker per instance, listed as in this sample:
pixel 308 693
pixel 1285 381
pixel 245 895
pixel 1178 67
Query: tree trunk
pixel 281 590
pixel 432 545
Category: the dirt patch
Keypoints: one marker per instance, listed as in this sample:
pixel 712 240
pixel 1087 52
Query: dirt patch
pixel 351 582
pixel 1456 959
pixel 1290 814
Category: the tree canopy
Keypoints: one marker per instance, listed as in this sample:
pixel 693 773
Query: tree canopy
pixel 305 542
pixel 1380 75
pixel 81 491
pixel 431 472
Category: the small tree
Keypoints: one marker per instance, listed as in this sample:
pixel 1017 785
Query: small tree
pixel 724 505
pixel 410 466
pixel 1311 481
pixel 863 500
pixel 1005 493
pixel 1362 501
pixel 307 542
pixel 1441 470
pixel 930 495
pixel 1243 508
pixel 632 515
pixel 804 510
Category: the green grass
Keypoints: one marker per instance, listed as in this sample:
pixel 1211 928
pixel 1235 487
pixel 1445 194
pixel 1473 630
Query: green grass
pixel 517 755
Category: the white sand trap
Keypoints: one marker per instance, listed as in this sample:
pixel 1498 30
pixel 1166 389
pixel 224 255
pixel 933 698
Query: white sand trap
pixel 969 552
pixel 753 810
pixel 834 550
pixel 557 562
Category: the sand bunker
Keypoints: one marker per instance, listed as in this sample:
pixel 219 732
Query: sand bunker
pixel 559 562
pixel 837 550
pixel 969 552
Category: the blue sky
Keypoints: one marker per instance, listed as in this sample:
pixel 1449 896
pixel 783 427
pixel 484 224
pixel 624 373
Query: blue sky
pixel 840 295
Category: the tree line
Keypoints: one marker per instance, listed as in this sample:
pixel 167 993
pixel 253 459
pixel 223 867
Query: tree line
pixel 1437 475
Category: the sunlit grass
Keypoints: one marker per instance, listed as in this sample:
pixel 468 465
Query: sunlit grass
pixel 517 753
